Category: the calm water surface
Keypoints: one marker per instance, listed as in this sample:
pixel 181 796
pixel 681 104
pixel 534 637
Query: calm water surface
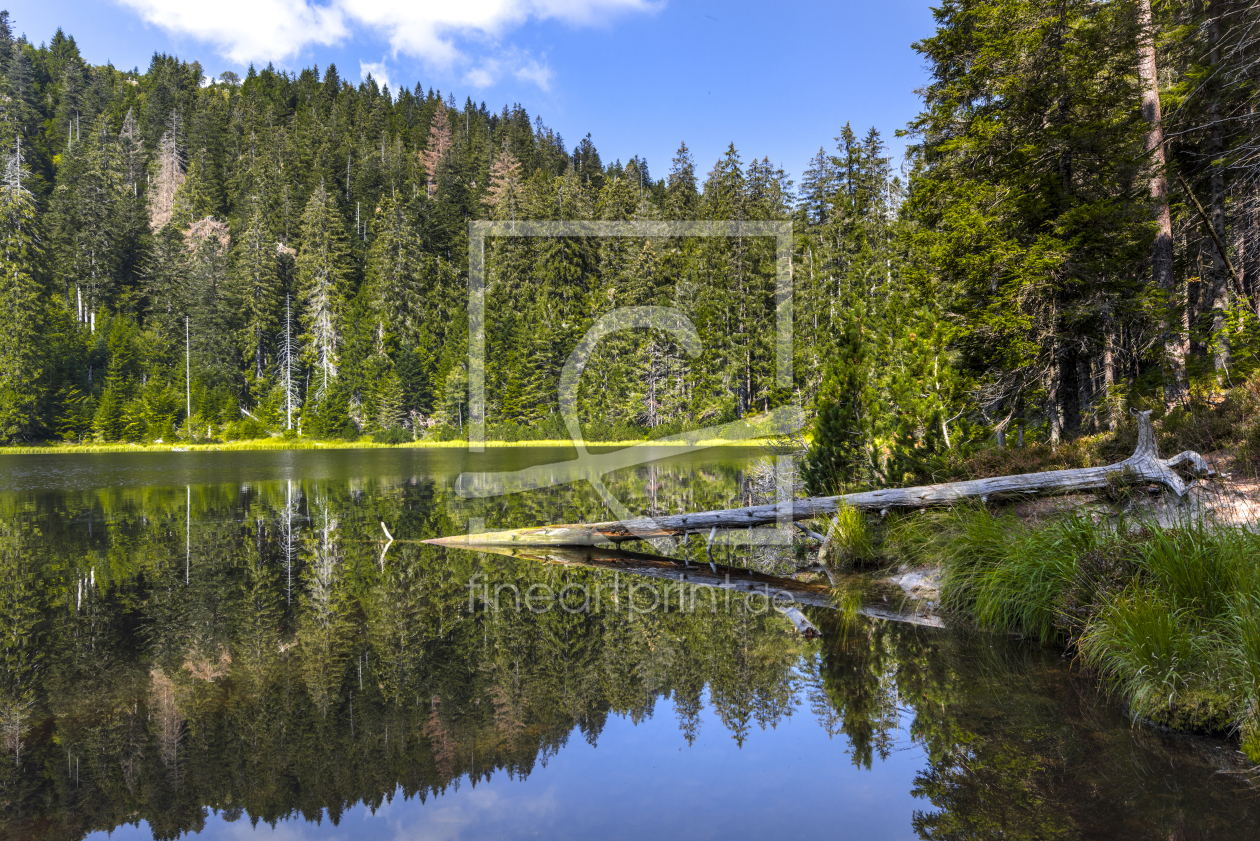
pixel 223 644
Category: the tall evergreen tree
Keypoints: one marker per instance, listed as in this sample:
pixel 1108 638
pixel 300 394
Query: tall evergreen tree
pixel 258 286
pixel 21 308
pixel 323 283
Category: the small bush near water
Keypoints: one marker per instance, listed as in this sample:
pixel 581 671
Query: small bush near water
pixel 1169 617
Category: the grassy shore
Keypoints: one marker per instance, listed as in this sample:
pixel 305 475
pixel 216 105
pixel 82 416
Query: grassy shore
pixel 364 444
pixel 1169 618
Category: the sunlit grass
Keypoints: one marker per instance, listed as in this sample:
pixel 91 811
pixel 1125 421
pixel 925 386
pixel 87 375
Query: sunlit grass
pixel 310 444
pixel 1151 650
pixel 850 537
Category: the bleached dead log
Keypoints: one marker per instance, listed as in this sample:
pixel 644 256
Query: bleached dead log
pixel 1143 467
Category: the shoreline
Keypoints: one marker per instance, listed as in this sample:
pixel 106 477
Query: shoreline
pixel 263 445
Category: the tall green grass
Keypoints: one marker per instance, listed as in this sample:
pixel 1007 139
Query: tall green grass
pixel 850 538
pixel 1168 617
pixel 1002 573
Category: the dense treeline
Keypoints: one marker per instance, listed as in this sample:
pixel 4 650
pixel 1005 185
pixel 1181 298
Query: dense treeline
pixel 1082 208
pixel 230 257
pixel 193 258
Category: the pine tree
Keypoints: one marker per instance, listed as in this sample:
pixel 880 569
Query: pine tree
pixel 258 285
pixel 287 358
pixel 436 148
pixel 323 280
pixel 503 193
pixel 401 275
pixel 817 188
pixel 21 307
pixel 1029 196
pixel 131 151
pixel 841 453
pixel 88 228
pixel 110 422
pixel 193 200
pixel 390 415
pixel 681 193
pixel 168 174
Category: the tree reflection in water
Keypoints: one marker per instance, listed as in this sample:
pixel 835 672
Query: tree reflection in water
pixel 294 674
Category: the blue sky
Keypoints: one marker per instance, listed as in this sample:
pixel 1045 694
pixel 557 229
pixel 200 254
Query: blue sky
pixel 778 79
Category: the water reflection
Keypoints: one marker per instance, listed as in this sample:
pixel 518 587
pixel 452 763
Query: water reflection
pixel 244 648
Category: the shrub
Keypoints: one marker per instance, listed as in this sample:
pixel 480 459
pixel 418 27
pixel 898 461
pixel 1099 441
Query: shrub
pixel 397 435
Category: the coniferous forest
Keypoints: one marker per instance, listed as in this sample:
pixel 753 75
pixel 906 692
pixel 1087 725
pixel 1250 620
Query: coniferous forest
pixel 188 257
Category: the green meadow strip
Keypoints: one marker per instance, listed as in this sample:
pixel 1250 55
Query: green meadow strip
pixel 303 444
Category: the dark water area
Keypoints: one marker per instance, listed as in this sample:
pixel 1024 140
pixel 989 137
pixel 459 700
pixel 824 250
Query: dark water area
pixel 226 644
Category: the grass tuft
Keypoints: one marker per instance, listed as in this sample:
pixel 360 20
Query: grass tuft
pixel 850 537
pixel 1149 648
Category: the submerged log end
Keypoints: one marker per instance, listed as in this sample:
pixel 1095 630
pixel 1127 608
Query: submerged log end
pixel 801 623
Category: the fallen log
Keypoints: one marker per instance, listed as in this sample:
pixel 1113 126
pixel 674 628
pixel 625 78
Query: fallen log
pixel 1143 467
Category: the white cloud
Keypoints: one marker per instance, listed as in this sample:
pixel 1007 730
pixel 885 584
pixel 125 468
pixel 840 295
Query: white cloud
pixel 512 62
pixel 532 71
pixel 379 72
pixel 485 74
pixel 248 30
pixel 273 30
pixel 427 28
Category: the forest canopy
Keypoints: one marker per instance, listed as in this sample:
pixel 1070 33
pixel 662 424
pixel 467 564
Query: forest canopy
pixel 191 258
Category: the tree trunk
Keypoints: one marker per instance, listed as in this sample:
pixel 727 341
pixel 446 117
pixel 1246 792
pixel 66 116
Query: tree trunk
pixel 1109 378
pixel 1052 402
pixel 1216 150
pixel 1085 392
pixel 1162 254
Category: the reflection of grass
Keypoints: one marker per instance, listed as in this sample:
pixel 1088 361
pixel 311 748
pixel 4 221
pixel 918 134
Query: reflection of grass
pixel 366 444
pixel 1170 617
pixel 849 597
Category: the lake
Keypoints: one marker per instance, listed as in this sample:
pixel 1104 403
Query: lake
pixel 227 644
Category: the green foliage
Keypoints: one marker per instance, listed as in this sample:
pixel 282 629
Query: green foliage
pixel 1033 216
pixel 841 453
pixel 328 414
pixel 1004 284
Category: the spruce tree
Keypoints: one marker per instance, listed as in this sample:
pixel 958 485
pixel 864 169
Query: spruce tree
pixel 258 286
pixel 323 281
pixel 21 308
pixel 841 453
pixel 390 414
